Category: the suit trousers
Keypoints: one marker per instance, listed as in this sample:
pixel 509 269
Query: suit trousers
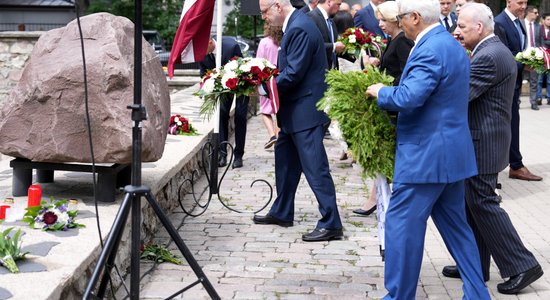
pixel 409 209
pixel 304 152
pixel 241 110
pixel 493 229
pixel 516 159
pixel 533 84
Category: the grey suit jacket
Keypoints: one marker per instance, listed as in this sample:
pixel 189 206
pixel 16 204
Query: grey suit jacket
pixel 492 79
pixel 536 32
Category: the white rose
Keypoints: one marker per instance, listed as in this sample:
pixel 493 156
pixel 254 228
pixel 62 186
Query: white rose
pixel 539 54
pixel 208 86
pixel 245 67
pixel 62 217
pixel 519 55
pixel 231 65
pixel 352 38
pixel 226 77
pixel 176 119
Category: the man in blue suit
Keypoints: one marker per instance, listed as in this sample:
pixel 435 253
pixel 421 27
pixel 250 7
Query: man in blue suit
pixel 510 30
pixel 434 154
pixel 301 83
pixel 447 18
pixel 366 19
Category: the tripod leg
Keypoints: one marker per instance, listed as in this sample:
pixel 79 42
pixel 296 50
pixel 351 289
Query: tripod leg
pixel 182 247
pixel 110 248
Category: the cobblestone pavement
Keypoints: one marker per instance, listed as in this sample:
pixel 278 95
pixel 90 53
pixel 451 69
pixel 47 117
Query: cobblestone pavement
pixel 247 261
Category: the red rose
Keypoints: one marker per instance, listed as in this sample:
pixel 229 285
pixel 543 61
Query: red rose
pixel 50 218
pixel 184 127
pixel 232 83
pixel 263 76
pixel 368 40
pixel 255 70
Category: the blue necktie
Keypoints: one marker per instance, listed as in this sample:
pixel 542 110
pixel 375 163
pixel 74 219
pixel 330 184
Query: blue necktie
pixel 520 32
pixel 331 34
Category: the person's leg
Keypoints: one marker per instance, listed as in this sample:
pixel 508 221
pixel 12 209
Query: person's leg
pixel 533 83
pixel 241 111
pixel 268 124
pixel 225 107
pixel 314 161
pixel 515 154
pixel 449 216
pixel 409 209
pixel 287 176
pixel 496 228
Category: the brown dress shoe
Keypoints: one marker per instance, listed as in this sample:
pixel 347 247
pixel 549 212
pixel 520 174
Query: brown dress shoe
pixel 523 174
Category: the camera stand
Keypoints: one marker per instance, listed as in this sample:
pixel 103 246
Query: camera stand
pixel 132 198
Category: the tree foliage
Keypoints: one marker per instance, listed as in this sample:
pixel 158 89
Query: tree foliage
pixel 161 15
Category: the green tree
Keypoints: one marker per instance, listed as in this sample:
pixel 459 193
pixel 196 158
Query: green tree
pixel 161 15
pixel 245 24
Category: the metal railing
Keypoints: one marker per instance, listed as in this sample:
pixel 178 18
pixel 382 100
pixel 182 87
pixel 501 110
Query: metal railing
pixel 29 26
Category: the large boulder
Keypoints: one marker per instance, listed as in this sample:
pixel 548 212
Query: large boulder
pixel 44 118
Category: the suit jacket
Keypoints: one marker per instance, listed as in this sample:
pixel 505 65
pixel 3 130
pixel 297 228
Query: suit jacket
pixel 317 16
pixel 305 9
pixel 434 144
pixel 545 42
pixel 366 19
pixel 230 49
pixel 301 82
pixel 536 32
pixel 453 18
pixel 395 56
pixel 492 80
pixel 506 31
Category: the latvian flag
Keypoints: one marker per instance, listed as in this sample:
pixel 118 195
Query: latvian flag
pixel 193 33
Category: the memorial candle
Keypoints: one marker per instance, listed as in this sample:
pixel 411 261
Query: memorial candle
pixel 35 195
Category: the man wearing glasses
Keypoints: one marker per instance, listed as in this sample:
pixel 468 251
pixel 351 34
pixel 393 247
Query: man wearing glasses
pixel 299 149
pixel 434 154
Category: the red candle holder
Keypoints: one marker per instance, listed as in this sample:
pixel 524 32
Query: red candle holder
pixel 3 209
pixel 35 195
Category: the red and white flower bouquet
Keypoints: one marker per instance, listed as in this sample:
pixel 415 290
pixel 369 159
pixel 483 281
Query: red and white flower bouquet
pixel 239 77
pixel 180 126
pixel 537 59
pixel 356 38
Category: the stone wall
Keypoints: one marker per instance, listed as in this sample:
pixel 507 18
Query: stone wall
pixel 15 50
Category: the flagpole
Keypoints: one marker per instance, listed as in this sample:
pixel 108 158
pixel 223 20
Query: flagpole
pixel 219 24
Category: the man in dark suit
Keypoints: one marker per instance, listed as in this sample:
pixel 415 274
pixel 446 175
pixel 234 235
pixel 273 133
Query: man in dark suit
pixel 447 18
pixel 299 148
pixel 322 16
pixel 434 154
pixel 492 80
pixel 509 28
pixel 532 40
pixel 230 49
pixel 366 19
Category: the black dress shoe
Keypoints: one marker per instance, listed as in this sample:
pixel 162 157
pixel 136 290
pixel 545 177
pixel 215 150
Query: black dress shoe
pixel 222 161
pixel 539 101
pixel 323 234
pixel 452 272
pixel 534 106
pixel 237 163
pixel 518 282
pixel 363 212
pixel 269 219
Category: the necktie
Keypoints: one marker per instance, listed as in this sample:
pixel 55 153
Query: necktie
pixel 531 35
pixel 446 21
pixel 331 34
pixel 520 32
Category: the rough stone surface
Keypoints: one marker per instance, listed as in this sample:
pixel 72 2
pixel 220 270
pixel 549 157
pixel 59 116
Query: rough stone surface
pixel 44 117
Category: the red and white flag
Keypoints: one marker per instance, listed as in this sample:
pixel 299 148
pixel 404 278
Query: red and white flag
pixel 191 41
pixel 273 94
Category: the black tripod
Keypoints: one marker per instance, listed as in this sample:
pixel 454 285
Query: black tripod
pixel 133 195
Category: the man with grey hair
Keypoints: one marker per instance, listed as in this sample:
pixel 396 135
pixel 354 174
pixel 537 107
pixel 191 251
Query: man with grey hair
pixel 434 154
pixel 493 74
pixel 299 149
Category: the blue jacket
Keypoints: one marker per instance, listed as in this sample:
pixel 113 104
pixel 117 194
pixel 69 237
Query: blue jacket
pixel 301 83
pixel 365 18
pixel 434 144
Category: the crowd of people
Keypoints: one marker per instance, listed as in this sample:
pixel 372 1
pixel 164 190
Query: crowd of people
pixel 456 97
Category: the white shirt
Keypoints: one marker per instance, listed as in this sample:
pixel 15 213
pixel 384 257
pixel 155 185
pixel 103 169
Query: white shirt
pixel 449 20
pixel 530 43
pixel 325 16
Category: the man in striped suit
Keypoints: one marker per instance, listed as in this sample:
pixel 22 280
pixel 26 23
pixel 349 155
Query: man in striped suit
pixel 492 80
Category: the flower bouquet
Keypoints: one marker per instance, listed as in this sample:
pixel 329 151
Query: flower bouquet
pixel 239 77
pixel 10 250
pixel 536 58
pixel 355 39
pixel 53 216
pixel 159 254
pixel 180 126
pixel 366 128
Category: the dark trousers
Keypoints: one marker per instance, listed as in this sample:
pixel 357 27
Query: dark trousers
pixel 515 155
pixel 304 152
pixel 495 235
pixel 241 109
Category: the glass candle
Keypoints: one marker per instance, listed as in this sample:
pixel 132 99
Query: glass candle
pixel 3 209
pixel 35 195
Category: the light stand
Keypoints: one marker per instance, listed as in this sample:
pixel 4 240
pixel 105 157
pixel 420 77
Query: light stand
pixel 133 194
